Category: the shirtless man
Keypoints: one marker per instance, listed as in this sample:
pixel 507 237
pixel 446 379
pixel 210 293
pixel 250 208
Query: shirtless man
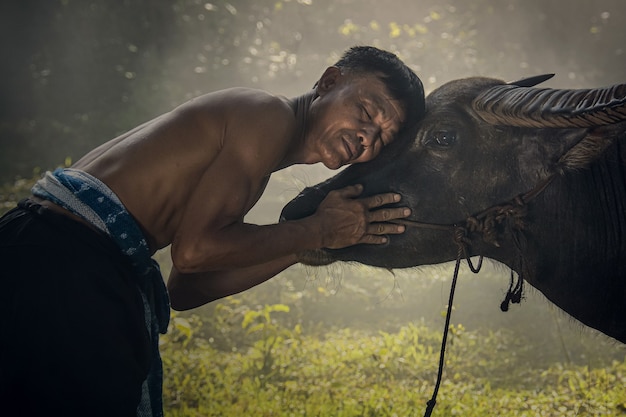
pixel 187 179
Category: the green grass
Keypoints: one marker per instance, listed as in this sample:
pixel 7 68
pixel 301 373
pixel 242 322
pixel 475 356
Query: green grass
pixel 276 371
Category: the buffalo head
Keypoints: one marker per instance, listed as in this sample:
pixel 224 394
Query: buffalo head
pixel 532 177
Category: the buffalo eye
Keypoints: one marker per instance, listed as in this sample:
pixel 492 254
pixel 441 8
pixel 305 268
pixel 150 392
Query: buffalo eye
pixel 441 138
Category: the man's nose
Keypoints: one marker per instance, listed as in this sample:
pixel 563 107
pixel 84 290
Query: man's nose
pixel 368 134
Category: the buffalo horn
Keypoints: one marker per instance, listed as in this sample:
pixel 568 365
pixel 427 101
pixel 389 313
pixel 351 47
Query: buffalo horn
pixel 532 81
pixel 512 105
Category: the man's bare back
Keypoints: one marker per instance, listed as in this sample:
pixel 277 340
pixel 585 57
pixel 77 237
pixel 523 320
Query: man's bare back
pixel 160 171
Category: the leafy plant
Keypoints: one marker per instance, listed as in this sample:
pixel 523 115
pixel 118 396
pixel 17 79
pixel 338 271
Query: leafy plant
pixel 349 372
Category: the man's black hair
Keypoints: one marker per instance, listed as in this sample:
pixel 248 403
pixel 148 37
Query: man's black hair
pixel 403 84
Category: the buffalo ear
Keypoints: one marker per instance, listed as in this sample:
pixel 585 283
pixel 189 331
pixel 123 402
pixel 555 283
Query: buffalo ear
pixel 531 81
pixel 587 150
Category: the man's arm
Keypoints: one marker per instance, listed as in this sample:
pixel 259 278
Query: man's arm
pixel 341 220
pixel 193 289
pixel 188 291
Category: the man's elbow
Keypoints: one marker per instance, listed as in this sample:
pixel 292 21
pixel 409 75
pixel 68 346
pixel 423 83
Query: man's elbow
pixel 186 260
pixel 177 302
pixel 182 293
pixel 182 299
pixel 191 259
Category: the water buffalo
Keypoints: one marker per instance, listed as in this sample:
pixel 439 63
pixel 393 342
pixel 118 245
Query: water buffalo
pixel 534 178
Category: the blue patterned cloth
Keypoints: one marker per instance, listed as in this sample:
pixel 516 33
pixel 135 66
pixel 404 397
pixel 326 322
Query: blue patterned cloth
pixel 89 198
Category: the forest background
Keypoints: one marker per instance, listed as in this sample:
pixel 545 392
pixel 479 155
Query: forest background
pixel 345 340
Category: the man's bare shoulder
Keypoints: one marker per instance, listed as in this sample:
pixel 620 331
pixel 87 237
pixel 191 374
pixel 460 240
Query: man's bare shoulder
pixel 252 123
pixel 239 99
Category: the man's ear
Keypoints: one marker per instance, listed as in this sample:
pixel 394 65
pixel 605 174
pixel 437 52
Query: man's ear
pixel 329 79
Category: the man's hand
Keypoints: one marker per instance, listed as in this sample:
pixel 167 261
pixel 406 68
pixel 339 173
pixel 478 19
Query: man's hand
pixel 346 220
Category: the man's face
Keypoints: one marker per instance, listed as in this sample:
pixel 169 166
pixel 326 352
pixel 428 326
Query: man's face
pixel 355 117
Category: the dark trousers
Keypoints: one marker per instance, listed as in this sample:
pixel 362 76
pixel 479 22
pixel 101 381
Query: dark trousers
pixel 73 340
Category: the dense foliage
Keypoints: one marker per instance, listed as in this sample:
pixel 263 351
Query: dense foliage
pixel 277 370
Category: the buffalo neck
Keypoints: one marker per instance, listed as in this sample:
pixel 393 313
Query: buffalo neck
pixel 575 244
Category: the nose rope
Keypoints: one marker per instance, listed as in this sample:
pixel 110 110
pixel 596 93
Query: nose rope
pixel 460 238
pixel 492 223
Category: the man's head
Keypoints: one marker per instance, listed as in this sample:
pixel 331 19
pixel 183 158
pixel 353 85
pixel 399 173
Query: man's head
pixel 401 82
pixel 367 99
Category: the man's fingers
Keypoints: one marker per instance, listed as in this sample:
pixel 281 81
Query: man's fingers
pixel 377 233
pixel 351 220
pixel 378 228
pixel 387 214
pixel 385 229
pixel 381 200
pixel 374 240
